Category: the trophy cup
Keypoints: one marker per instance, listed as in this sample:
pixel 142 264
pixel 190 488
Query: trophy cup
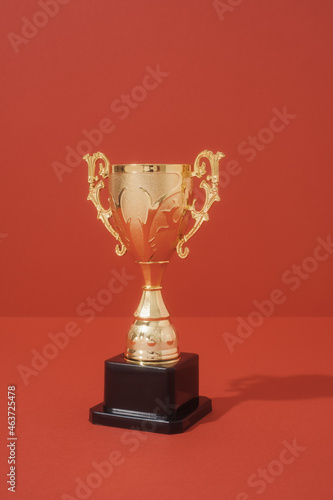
pixel 152 386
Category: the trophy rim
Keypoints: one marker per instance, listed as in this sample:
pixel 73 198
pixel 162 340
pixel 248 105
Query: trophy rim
pixel 151 167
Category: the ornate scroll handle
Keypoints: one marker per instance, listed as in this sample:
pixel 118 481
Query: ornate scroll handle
pixel 211 195
pixel 94 188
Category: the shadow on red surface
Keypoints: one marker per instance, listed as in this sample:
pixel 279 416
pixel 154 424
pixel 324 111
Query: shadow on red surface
pixel 262 387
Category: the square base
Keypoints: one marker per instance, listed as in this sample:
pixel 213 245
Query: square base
pixel 161 397
pixel 98 416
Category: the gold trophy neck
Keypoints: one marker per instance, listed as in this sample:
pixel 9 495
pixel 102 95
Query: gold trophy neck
pixel 137 168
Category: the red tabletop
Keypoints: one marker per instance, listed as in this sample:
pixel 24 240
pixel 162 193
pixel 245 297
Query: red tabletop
pixel 269 435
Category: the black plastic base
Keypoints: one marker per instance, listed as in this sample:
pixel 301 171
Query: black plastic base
pixel 153 398
pixel 99 417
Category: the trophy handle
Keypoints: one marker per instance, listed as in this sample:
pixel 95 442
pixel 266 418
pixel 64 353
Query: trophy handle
pixel 199 170
pixel 95 184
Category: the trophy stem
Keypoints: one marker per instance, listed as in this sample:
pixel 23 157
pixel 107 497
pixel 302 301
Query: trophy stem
pixel 152 337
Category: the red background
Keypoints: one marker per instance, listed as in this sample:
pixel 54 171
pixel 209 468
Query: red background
pixel 225 78
pixel 277 386
pixel 227 73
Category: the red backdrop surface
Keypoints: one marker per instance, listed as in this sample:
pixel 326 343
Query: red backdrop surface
pixel 275 388
pixel 153 81
pixel 224 73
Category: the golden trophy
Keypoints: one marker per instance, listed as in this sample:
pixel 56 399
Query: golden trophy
pixel 152 386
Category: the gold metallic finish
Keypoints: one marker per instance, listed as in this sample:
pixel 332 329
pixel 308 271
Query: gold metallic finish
pixel 155 262
pixel 144 287
pixel 150 340
pixel 135 168
pixel 151 306
pixel 153 363
pixel 151 206
pixel 211 195
pixel 93 195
